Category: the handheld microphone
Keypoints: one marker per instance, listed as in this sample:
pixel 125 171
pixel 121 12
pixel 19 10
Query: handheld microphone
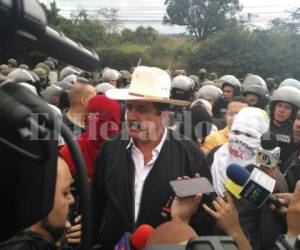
pixel 140 236
pixel 268 155
pixel 235 187
pixel 256 187
pixel 137 240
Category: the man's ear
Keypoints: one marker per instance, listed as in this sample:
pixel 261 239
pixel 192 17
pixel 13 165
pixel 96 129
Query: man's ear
pixel 83 101
pixel 165 117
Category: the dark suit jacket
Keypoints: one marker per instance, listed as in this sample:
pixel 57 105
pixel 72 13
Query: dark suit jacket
pixel 113 185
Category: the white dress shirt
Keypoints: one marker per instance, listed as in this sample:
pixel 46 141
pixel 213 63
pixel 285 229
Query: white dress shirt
pixel 141 170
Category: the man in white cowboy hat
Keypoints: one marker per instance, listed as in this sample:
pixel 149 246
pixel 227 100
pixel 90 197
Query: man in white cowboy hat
pixel 131 181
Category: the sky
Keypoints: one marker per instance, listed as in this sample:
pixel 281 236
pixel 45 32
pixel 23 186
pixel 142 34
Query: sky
pixel 134 13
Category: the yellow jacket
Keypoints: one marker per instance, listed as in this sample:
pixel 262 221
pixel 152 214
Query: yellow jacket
pixel 215 139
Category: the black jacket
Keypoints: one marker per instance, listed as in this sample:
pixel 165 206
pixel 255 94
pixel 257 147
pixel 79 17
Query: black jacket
pixel 113 190
pixel 292 170
pixel 284 137
pixel 262 226
pixel 220 108
pixel 28 240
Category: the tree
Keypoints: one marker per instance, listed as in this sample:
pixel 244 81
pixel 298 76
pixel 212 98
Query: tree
pixel 202 17
pixel 146 35
pixel 268 53
pixel 289 25
pixel 109 19
pixel 52 13
pixel 128 35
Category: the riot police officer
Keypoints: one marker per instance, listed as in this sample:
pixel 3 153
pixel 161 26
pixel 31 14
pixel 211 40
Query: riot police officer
pixel 284 105
pixel 231 86
pixel 256 95
pixel 290 82
pixel 210 93
pixel 182 88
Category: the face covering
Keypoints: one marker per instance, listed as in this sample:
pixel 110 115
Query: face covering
pixel 242 149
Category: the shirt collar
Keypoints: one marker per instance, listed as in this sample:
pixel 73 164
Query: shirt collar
pixel 157 148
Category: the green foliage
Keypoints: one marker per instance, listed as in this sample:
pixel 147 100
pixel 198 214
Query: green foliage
pixel 117 58
pixel 143 35
pixel 227 47
pixel 52 13
pixel 241 51
pixel 201 17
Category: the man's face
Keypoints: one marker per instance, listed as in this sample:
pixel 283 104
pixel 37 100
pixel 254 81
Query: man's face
pixel 228 92
pixel 63 197
pixel 282 112
pixel 253 99
pixel 142 120
pixel 296 128
pixel 232 109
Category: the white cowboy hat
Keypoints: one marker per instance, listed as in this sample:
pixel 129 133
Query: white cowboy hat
pixel 147 84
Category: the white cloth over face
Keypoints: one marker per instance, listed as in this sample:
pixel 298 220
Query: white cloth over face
pixel 244 140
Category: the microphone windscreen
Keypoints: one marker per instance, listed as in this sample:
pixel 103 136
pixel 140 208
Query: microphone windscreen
pixel 268 141
pixel 237 174
pixel 171 232
pixel 141 235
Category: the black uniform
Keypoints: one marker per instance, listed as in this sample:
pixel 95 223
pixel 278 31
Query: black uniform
pixel 284 137
pixel 292 170
pixel 113 186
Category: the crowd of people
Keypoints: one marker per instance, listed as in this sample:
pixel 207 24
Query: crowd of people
pixel 140 129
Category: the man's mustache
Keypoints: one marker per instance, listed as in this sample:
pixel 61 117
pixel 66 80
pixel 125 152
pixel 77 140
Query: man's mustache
pixel 134 125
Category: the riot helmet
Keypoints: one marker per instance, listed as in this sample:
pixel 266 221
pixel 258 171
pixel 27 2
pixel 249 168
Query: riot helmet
pixel 179 72
pixel 258 91
pixel 22 75
pixel 288 94
pixel 182 88
pixel 12 63
pixel 110 75
pixel 254 80
pixel 230 80
pixel 103 87
pixel 210 93
pixel 290 82
pixel 69 70
pixel 24 66
pixel 213 76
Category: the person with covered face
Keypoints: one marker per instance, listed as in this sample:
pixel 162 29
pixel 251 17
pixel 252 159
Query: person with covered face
pixel 243 142
pixel 102 122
